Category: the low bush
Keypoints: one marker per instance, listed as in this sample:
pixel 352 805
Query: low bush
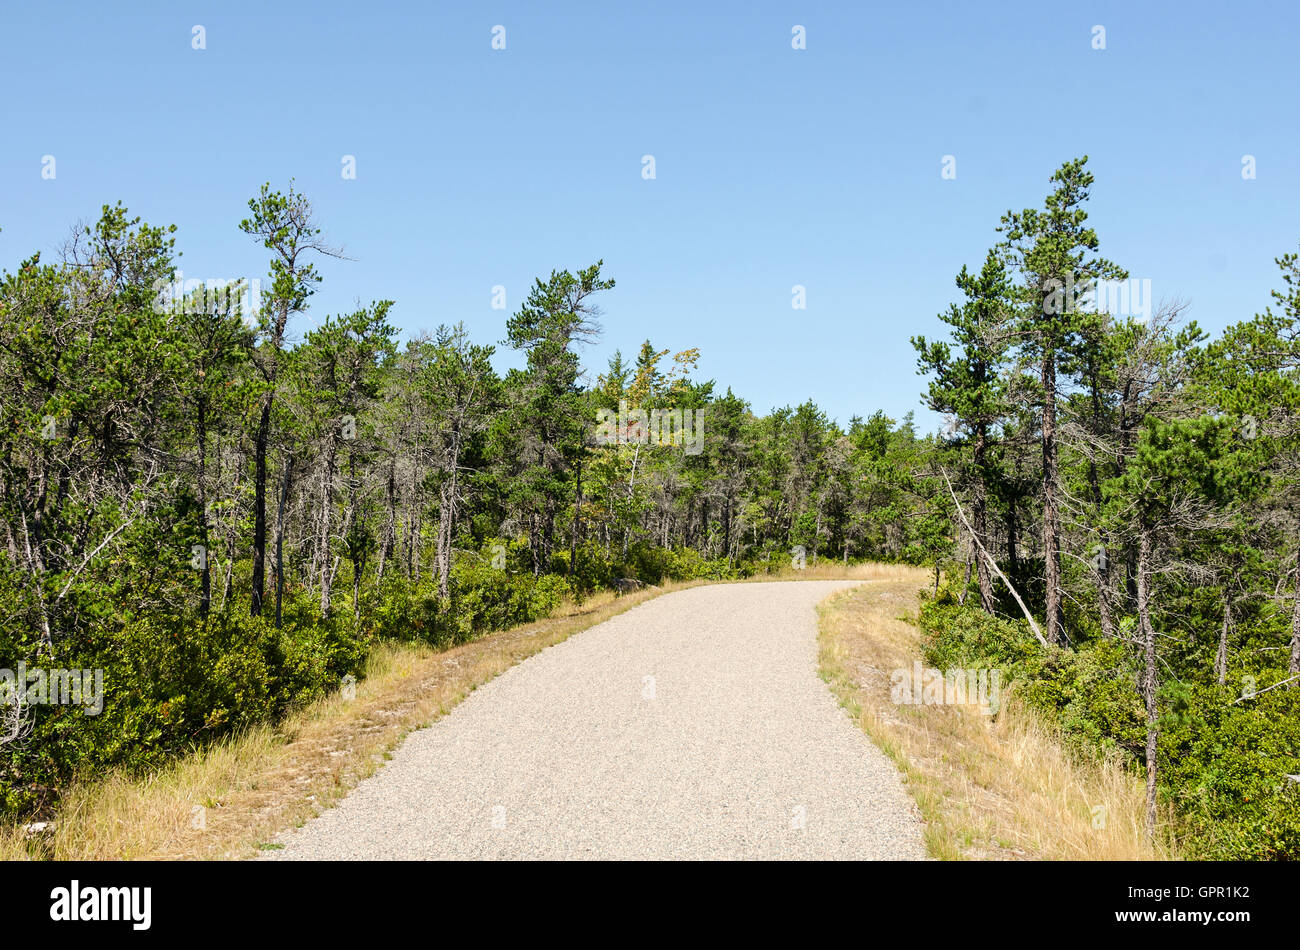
pixel 1224 757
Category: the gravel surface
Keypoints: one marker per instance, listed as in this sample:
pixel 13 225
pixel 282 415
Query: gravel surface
pixel 693 726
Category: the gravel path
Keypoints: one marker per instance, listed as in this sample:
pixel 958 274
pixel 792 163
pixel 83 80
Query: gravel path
pixel 693 727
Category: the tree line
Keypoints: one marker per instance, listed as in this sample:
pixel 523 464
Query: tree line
pixel 1126 490
pixel 223 519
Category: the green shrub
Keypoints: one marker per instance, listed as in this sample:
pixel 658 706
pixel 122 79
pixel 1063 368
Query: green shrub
pixel 1223 758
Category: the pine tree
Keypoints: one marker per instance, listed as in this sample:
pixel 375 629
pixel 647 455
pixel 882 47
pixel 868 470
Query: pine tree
pixel 1051 250
pixel 968 386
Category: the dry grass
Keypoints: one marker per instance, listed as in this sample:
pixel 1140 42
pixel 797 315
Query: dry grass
pixel 833 571
pixel 250 787
pixel 989 787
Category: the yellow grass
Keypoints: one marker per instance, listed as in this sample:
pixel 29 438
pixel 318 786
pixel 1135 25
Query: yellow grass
pixel 989 787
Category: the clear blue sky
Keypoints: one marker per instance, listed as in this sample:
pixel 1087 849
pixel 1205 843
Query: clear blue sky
pixel 774 167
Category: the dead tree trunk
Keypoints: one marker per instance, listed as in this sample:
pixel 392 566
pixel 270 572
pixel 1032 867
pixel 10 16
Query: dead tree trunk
pixel 1221 658
pixel 279 537
pixel 1051 504
pixel 1149 672
pixel 205 566
pixel 1294 666
pixel 259 500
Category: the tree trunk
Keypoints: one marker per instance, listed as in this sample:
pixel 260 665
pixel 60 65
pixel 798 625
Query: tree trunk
pixel 1051 511
pixel 1104 612
pixel 1294 666
pixel 1149 681
pixel 386 549
pixel 817 534
pixel 1221 658
pixel 259 508
pixel 279 537
pixel 205 594
pixel 631 486
pixel 965 581
pixel 979 517
pixel 353 531
pixel 413 529
pixel 548 534
pixel 446 531
pixel 1013 540
pixel 577 516
pixel 36 569
pixel 1130 576
pixel 229 575
pixel 323 529
pixel 1102 562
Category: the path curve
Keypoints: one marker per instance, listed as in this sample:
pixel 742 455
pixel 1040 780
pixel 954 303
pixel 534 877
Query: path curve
pixel 691 727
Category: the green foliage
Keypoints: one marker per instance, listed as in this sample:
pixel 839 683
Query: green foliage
pixel 1226 759
pixel 164 469
pixel 169 682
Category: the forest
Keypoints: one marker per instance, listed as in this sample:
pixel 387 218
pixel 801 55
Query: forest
pixel 224 519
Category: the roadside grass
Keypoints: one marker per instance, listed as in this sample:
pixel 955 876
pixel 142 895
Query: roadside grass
pixel 227 800
pixel 1001 787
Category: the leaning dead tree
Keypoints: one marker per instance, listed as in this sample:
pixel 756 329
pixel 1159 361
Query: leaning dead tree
pixel 992 562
